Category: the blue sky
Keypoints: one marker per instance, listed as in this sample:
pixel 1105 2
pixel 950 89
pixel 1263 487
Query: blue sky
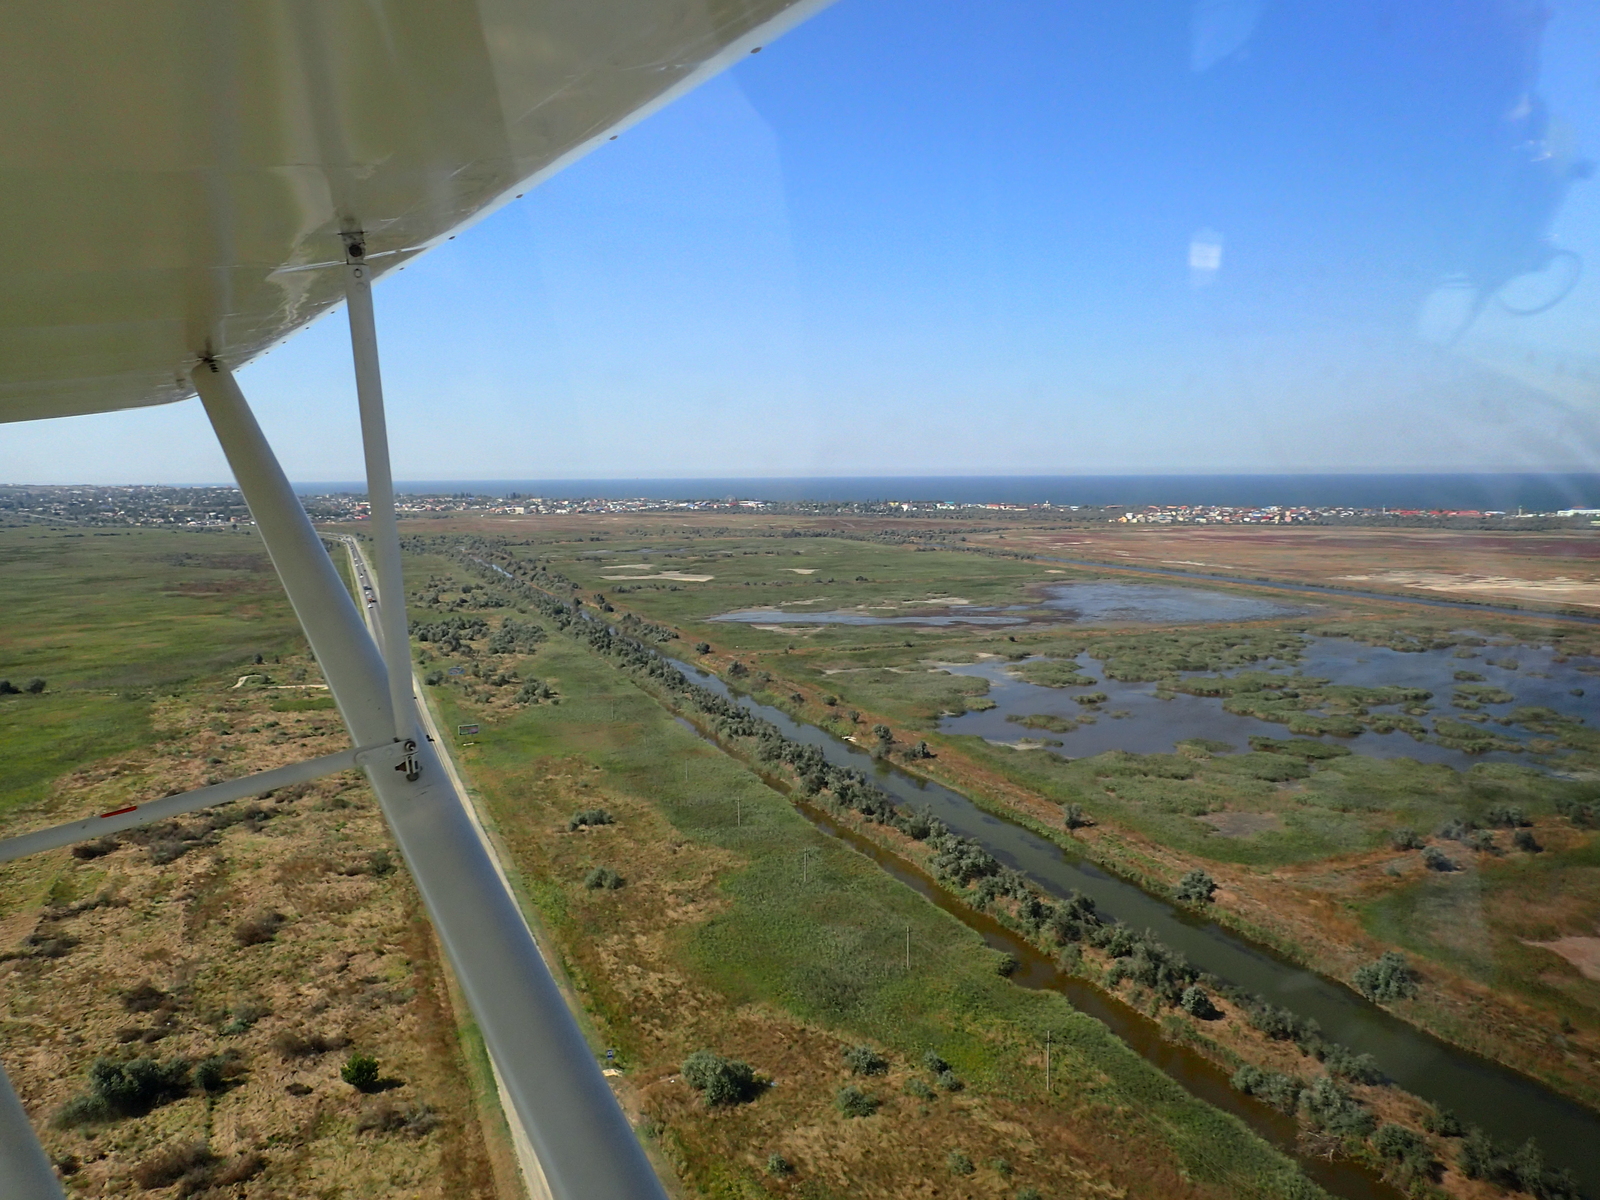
pixel 936 237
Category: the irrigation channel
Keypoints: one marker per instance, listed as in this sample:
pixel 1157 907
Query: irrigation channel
pixel 1509 1106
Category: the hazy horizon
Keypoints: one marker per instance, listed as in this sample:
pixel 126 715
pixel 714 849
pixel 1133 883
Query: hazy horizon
pixel 1458 490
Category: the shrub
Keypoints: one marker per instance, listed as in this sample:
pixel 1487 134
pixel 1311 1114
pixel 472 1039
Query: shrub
pixel 720 1080
pixel 593 817
pixel 777 1165
pixel 1443 1122
pixel 1075 817
pixel 950 1081
pixel 433 678
pixel 1389 978
pixel 1522 1170
pixel 126 1089
pixel 1408 1150
pixel 1007 966
pixel 915 1087
pixel 1028 1193
pixel 1197 1004
pixel 7 688
pixel 294 1044
pixel 602 877
pixel 1330 1107
pixel 1506 816
pixel 853 1102
pixel 96 848
pixel 1523 839
pixel 385 1116
pixel 360 1071
pixel 35 687
pixel 169 1166
pixel 1456 830
pixel 883 733
pixel 244 1015
pixel 932 1062
pixel 1347 1064
pixel 1436 859
pixel 864 1060
pixel 1406 839
pixel 1280 1091
pixel 262 927
pixel 211 1074
pixel 959 1163
pixel 702 647
pixel 1583 815
pixel 1195 888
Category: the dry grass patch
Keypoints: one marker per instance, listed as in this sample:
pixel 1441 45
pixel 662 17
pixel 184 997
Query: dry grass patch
pixel 249 961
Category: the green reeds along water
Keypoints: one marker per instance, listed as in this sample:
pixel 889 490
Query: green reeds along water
pixel 1510 1107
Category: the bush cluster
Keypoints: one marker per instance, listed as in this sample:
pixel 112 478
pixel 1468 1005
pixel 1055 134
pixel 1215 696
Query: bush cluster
pixel 1408 1153
pixel 1406 839
pixel 864 1060
pixel 603 877
pixel 1387 979
pixel 1195 888
pixel 1436 859
pixel 126 1088
pixel 515 637
pixel 1521 1170
pixel 720 1080
pixel 593 817
pixel 853 1102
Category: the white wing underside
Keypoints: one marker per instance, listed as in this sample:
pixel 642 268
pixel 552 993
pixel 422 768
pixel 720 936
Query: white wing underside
pixel 174 172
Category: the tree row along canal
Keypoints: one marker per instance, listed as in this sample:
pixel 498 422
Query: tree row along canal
pixel 1509 1106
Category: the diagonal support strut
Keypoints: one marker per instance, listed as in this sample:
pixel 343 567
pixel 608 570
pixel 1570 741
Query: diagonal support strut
pixel 394 638
pixel 584 1144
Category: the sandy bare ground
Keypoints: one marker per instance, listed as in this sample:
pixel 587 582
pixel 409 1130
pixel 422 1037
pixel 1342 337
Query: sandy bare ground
pixel 678 576
pixel 1581 952
pixel 1561 589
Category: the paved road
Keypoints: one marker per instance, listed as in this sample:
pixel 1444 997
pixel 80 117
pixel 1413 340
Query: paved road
pixel 533 1178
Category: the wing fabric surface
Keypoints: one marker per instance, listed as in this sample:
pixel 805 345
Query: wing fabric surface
pixel 174 171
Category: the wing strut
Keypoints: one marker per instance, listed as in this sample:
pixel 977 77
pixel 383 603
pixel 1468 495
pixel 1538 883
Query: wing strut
pixel 394 639
pixel 135 815
pixel 584 1144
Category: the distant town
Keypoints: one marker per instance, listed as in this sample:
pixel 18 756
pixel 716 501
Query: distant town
pixel 222 507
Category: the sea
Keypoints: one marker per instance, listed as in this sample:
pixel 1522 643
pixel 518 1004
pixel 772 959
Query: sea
pixel 1499 492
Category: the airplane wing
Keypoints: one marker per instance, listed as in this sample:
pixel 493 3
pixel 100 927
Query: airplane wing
pixel 175 175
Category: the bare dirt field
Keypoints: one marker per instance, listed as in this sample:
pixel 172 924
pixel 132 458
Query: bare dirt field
pixel 1553 569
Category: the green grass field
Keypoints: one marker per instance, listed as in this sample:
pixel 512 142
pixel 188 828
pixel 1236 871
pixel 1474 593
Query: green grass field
pixel 804 925
pixel 109 621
